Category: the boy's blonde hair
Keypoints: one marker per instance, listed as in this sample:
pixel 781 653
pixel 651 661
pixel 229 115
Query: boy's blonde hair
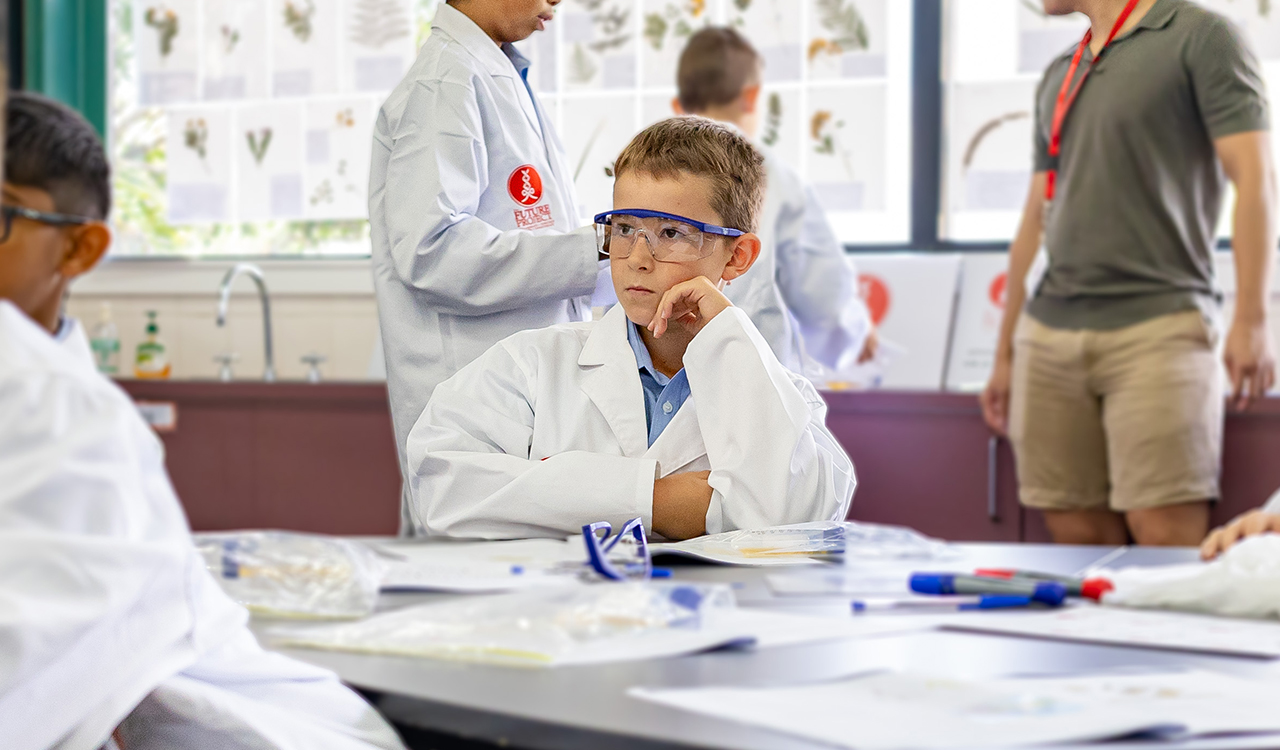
pixel 715 67
pixel 692 145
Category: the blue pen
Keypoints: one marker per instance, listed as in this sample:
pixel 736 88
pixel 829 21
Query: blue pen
pixel 990 601
pixel 1050 593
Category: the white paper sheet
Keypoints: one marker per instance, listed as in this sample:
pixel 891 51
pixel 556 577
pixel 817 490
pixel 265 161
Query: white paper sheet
pixel 168 51
pixel 305 38
pixel 848 41
pixel 268 146
pixel 894 710
pixel 338 134
pixel 234 52
pixel 1139 628
pixel 479 567
pixel 379 47
pixel 199 164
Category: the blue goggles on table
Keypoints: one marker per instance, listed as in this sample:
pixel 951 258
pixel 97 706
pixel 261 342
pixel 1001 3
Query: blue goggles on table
pixel 671 238
pixel 629 561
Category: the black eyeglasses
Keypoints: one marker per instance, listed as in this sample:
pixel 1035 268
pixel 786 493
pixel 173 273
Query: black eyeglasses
pixel 56 220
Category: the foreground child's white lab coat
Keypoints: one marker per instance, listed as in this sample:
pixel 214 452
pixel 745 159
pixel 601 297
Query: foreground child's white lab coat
pixel 465 251
pixel 802 293
pixel 547 432
pixel 107 615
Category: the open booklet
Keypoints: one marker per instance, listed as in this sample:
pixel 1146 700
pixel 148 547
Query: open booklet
pixel 808 544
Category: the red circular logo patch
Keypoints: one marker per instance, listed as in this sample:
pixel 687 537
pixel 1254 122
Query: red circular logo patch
pixel 999 287
pixel 876 294
pixel 525 185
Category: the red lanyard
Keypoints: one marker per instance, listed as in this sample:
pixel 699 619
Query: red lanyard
pixel 1068 93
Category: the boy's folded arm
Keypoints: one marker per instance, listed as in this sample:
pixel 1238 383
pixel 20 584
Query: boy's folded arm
pixel 436 176
pixel 772 459
pixel 471 473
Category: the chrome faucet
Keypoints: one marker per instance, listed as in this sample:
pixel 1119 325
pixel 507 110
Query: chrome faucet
pixel 224 299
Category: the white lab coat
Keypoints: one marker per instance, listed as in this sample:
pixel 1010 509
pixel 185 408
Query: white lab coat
pixel 454 271
pixel 107 615
pixel 547 432
pixel 802 293
pixel 1273 505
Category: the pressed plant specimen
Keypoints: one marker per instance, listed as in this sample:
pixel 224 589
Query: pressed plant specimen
pixel 165 22
pixel 230 38
pixel 772 119
pixel 297 19
pixel 259 142
pixel 824 129
pixel 844 26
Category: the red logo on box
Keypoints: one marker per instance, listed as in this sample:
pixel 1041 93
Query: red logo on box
pixel 876 294
pixel 999 288
pixel 525 185
pixel 538 217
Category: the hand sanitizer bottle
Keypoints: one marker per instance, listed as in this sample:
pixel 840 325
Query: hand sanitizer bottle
pixel 151 361
pixel 105 343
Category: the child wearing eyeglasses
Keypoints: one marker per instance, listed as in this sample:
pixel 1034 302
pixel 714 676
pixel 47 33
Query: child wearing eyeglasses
pixel 671 408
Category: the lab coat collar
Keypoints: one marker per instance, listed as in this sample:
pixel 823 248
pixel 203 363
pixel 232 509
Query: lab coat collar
pixel 611 379
pixel 462 29
pixel 72 340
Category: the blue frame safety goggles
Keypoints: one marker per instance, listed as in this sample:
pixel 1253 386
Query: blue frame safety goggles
pixel 9 213
pixel 636 565
pixel 671 238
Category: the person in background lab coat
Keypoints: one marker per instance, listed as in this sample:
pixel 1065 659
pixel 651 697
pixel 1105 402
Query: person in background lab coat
pixel 471 206
pixel 671 408
pixel 803 291
pixel 112 633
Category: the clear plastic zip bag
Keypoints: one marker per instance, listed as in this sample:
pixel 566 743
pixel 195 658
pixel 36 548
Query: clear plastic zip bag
pixel 282 574
pixel 591 624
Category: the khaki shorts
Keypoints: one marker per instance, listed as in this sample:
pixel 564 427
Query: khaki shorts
pixel 1130 418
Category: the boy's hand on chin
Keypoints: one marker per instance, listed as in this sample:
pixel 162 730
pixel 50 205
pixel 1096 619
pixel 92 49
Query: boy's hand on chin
pixel 690 304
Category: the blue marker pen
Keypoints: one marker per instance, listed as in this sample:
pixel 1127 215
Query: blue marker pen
pixel 1050 593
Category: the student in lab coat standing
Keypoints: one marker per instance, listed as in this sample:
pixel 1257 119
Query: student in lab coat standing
pixel 471 206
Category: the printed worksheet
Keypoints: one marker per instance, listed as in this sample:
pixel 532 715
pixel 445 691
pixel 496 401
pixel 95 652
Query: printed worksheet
pixel 379 44
pixel 773 26
pixel 666 27
pixel 200 164
pixel 305 46
pixel 993 127
pixel 597 48
pixel 596 129
pixel 269 146
pixel 846 163
pixel 168 51
pixel 847 39
pixel 234 51
pixel 336 177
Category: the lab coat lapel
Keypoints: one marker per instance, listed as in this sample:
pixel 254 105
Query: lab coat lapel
pixel 681 443
pixel 611 379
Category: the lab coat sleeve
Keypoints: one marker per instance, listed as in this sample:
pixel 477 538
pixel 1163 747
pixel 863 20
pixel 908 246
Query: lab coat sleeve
pixel 772 459
pixel 436 176
pixel 819 282
pixel 472 475
pixel 92 602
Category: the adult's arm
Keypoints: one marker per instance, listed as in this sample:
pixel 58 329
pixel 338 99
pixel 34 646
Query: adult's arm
pixel 1022 253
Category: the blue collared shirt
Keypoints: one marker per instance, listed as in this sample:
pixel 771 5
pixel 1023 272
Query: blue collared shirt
pixel 663 396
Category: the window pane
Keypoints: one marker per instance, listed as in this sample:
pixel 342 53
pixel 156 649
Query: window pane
pixel 836 102
pixel 245 126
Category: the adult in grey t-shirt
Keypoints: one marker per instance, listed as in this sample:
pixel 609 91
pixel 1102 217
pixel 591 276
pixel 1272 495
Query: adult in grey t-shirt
pixel 1107 386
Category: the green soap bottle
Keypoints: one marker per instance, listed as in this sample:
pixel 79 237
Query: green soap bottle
pixel 151 361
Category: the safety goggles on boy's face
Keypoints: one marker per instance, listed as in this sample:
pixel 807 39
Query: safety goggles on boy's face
pixel 671 238
pixel 9 213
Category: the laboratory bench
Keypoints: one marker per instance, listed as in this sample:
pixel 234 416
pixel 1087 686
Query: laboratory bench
pixel 442 704
pixel 321 458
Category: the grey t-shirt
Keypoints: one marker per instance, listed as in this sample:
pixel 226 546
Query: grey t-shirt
pixel 1131 230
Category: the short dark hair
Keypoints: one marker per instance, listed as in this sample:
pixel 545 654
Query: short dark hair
pixel 715 67
pixel 692 145
pixel 50 146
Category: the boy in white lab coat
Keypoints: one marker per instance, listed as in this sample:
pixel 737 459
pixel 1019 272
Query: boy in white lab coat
pixel 671 408
pixel 111 629
pixel 803 292
pixel 470 200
